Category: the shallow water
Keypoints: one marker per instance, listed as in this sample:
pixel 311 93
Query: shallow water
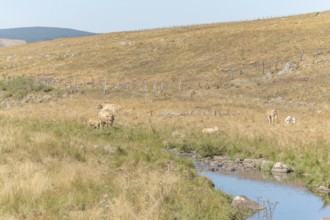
pixel 293 202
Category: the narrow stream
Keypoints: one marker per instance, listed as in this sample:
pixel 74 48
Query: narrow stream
pixel 293 202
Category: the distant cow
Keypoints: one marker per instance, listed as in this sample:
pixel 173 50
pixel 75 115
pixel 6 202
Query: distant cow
pixel 290 120
pixel 272 116
pixel 210 130
pixel 106 118
pixel 110 107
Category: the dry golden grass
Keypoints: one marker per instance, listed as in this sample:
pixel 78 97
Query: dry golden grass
pixel 52 166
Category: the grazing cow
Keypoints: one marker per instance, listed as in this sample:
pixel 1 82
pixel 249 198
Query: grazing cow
pixel 290 120
pixel 94 123
pixel 210 130
pixel 272 116
pixel 106 118
pixel 110 107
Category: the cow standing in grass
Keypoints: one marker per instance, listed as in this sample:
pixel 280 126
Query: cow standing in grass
pixel 110 107
pixel 106 118
pixel 272 116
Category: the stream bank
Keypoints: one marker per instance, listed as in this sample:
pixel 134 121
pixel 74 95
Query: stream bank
pixel 283 194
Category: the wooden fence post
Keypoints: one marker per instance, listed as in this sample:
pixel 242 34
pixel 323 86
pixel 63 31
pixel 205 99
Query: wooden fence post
pixel 161 85
pixel 145 86
pixel 301 55
pixel 180 86
pixel 105 86
pixel 70 85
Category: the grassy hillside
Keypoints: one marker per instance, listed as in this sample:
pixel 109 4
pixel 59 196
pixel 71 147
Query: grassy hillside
pixel 224 75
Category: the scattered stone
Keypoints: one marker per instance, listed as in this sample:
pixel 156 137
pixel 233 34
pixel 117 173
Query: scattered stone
pixel 242 202
pixel 281 168
pixel 108 149
pixel 239 160
pixel 324 189
pixel 227 164
pixel 268 75
pixel 289 67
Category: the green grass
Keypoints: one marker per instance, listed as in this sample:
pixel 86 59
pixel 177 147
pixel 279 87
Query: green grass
pixel 19 87
pixel 67 172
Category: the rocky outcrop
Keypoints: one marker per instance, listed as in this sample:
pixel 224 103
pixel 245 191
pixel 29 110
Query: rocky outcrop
pixel 242 202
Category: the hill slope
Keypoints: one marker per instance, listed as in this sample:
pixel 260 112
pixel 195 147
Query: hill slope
pixel 222 55
pixel 9 42
pixel 229 74
pixel 36 34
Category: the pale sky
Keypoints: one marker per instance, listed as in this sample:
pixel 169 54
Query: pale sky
pixel 103 16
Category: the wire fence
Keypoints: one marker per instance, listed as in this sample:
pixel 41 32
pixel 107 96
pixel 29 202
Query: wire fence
pixel 75 83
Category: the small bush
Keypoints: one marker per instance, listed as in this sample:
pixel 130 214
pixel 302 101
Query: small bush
pixel 207 150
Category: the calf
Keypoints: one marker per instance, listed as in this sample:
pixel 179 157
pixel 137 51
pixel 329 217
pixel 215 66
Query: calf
pixel 272 116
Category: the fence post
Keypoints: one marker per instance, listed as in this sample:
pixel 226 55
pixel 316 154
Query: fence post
pixel 301 55
pixel 145 85
pixel 105 86
pixel 70 85
pixel 133 85
pixel 161 85
pixel 77 87
pixel 155 86
pixel 276 65
pixel 180 86
pixel 93 82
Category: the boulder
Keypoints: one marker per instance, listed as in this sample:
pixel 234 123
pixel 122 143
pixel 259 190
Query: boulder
pixel 289 67
pixel 242 202
pixel 324 189
pixel 281 168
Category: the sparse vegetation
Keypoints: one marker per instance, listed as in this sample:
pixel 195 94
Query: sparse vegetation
pixel 62 170
pixel 20 87
pixel 52 165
